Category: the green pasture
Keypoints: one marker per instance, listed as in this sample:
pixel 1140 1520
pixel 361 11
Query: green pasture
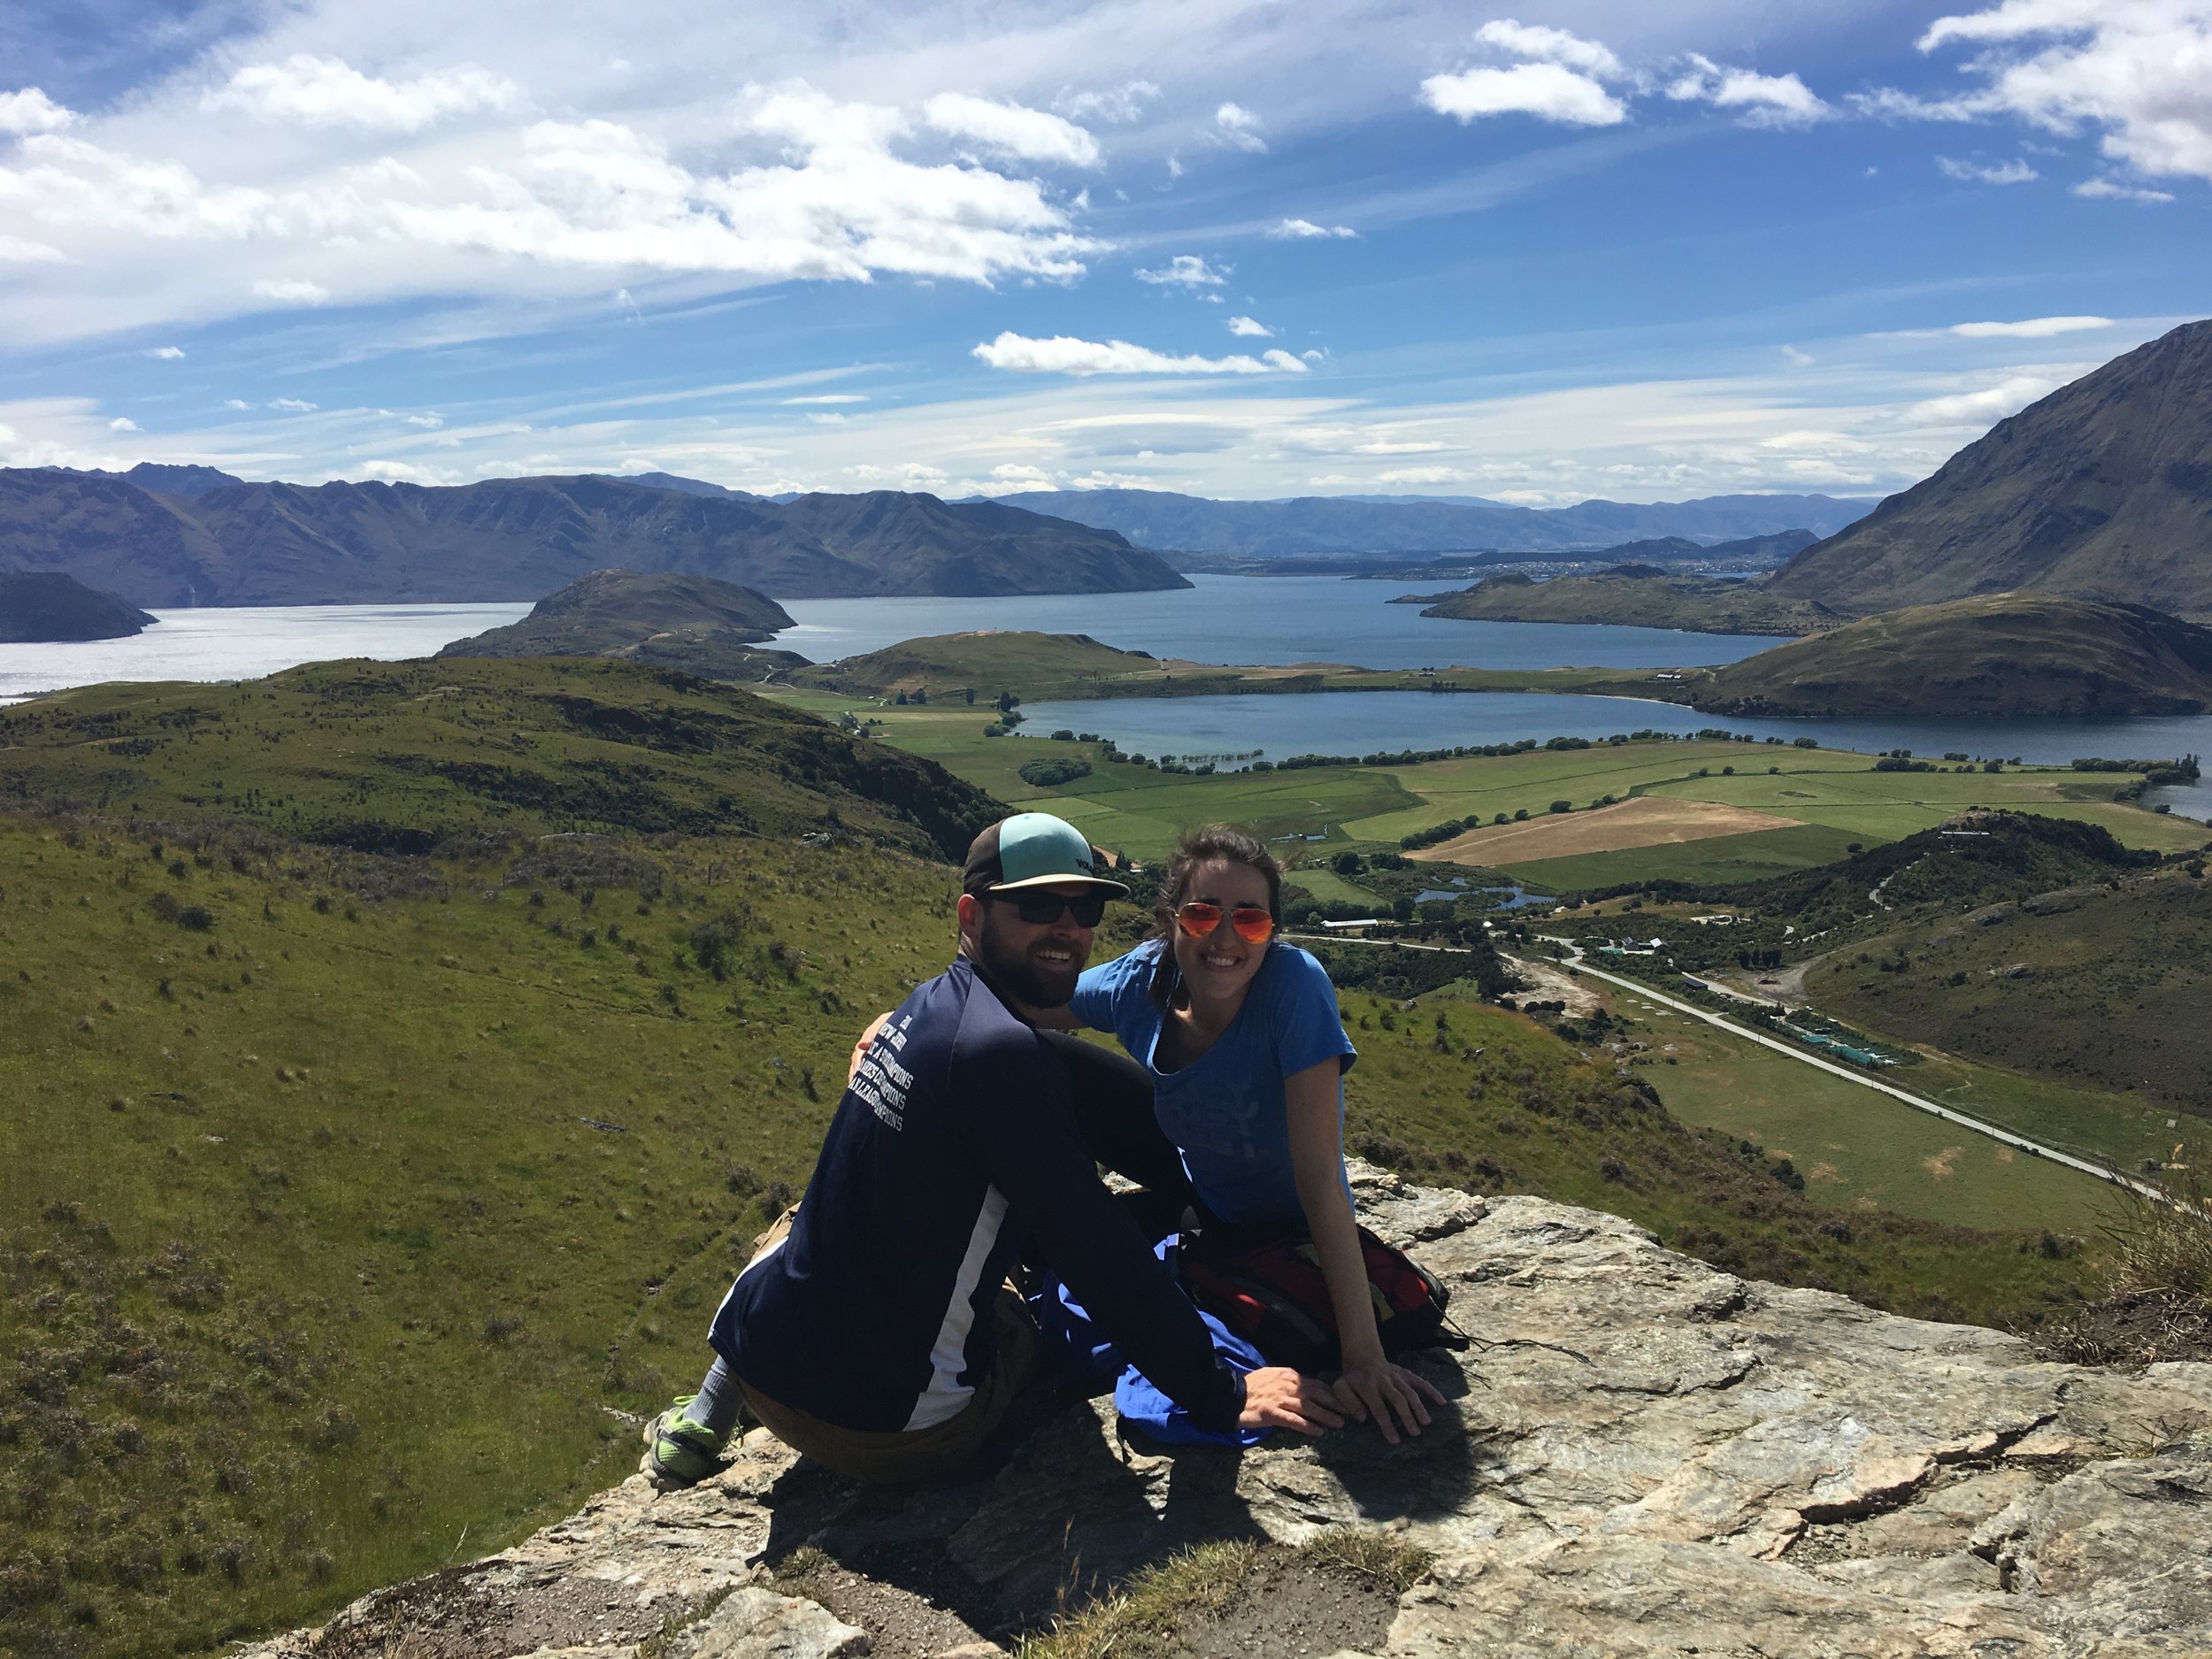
pixel 1856 1147
pixel 1752 856
pixel 1877 806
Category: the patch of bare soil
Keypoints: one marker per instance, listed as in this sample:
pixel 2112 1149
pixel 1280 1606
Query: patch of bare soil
pixel 1647 820
pixel 456 1615
pixel 2132 1330
pixel 1292 1608
pixel 913 1618
pixel 1548 984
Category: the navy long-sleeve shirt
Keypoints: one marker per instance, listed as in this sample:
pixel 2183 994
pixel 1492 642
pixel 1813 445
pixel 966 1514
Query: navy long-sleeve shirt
pixel 953 1145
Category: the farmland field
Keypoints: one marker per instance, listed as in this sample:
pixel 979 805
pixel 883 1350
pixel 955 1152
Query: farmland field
pixel 1828 798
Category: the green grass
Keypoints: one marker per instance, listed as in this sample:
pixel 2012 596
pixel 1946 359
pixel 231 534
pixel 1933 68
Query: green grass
pixel 1857 1148
pixel 366 1125
pixel 1752 856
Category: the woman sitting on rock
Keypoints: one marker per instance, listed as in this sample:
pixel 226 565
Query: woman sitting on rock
pixel 1240 1036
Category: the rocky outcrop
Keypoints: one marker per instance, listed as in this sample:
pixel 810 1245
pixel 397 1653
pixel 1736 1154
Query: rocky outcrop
pixel 1643 1456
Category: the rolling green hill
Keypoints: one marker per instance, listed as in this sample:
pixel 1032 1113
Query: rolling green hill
pixel 400 757
pixel 1637 595
pixel 2101 985
pixel 400 1058
pixel 2000 654
pixel 665 620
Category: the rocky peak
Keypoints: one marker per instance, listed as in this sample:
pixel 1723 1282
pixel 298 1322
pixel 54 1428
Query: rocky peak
pixel 1643 1456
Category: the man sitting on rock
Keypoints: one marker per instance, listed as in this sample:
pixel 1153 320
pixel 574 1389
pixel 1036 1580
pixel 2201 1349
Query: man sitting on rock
pixel 872 1329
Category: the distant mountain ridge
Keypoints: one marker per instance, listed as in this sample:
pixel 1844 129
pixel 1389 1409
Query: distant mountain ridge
pixel 2102 490
pixel 1348 524
pixel 340 543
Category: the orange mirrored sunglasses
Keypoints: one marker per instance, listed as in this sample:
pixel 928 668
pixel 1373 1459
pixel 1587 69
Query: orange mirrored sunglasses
pixel 1253 925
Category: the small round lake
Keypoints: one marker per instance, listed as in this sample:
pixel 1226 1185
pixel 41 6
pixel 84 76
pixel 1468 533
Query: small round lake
pixel 1369 722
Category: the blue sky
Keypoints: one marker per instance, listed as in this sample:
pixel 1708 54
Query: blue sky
pixel 1536 253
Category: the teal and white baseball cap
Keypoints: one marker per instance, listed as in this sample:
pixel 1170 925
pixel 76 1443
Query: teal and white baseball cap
pixel 1034 849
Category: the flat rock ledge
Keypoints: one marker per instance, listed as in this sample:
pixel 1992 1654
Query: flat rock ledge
pixel 1643 1456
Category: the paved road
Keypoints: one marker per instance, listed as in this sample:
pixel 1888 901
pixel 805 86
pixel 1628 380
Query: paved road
pixel 1918 1103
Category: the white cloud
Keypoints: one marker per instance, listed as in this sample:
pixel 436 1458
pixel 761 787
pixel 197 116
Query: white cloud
pixel 2113 190
pixel 427 422
pixel 1795 358
pixel 122 423
pixel 1983 408
pixel 1766 100
pixel 326 92
pixel 1294 229
pixel 166 354
pixel 16 250
pixel 1238 125
pixel 1250 326
pixel 31 111
pixel 2138 72
pixel 1553 46
pixel 290 290
pixel 236 403
pixel 1064 354
pixel 293 405
pixel 1015 479
pixel 1187 270
pixel 1012 129
pixel 1550 92
pixel 2013 172
pixel 1120 104
pixel 830 397
pixel 798 186
pixel 2031 328
pixel 405 472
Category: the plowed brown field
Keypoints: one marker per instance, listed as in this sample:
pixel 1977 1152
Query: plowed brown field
pixel 1647 820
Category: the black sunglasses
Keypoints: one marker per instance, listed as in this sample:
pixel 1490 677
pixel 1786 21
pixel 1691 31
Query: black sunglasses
pixel 1042 909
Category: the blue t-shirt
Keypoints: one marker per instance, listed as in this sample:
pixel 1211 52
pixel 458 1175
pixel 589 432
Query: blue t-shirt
pixel 1226 1111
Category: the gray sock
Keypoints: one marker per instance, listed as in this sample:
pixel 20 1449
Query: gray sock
pixel 720 1399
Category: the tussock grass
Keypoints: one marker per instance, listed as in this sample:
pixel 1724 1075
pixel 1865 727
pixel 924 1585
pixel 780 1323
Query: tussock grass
pixel 1144 1620
pixel 2153 1282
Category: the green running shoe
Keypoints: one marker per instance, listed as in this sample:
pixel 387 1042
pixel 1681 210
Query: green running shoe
pixel 678 1452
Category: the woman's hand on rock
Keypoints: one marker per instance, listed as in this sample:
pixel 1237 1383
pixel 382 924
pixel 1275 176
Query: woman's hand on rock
pixel 1276 1397
pixel 1378 1391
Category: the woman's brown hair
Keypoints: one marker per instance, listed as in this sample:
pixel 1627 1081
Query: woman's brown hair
pixel 1208 844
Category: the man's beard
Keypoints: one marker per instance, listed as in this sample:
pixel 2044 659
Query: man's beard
pixel 1016 971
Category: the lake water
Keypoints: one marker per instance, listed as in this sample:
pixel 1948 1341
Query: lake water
pixel 1270 620
pixel 1221 618
pixel 1363 722
pixel 242 641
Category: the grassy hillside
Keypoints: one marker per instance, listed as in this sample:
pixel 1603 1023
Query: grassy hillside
pixel 352 1195
pixel 1639 597
pixel 2104 987
pixel 397 756
pixel 1998 654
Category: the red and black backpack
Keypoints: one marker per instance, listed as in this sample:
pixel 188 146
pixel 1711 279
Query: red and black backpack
pixel 1270 1290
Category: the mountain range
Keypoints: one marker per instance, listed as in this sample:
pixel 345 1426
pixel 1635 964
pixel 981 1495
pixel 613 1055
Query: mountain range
pixel 189 540
pixel 2102 490
pixel 46 605
pixel 1345 524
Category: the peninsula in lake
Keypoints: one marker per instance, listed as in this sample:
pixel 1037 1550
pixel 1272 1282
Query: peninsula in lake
pixel 662 620
pixel 46 606
pixel 2001 654
pixel 1637 596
